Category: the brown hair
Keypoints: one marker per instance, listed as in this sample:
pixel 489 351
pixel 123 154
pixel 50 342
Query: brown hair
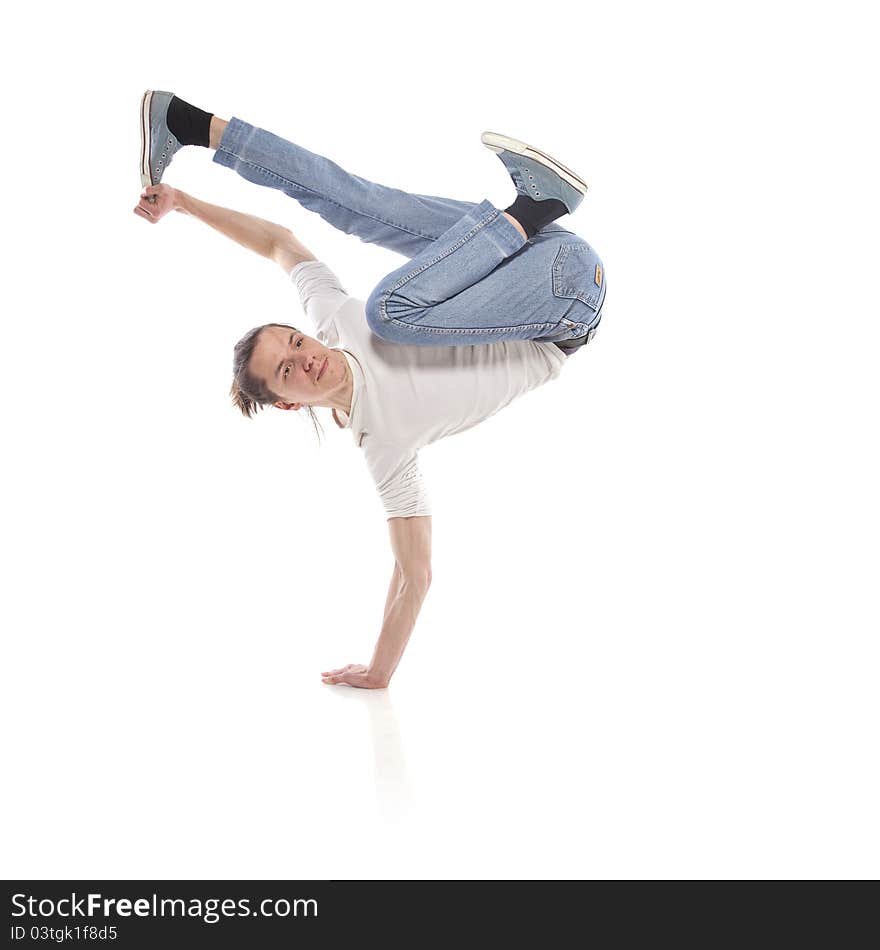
pixel 249 393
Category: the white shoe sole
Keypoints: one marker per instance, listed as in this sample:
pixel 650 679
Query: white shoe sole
pixel 501 143
pixel 146 102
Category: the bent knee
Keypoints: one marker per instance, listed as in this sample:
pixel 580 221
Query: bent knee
pixel 377 315
pixel 375 308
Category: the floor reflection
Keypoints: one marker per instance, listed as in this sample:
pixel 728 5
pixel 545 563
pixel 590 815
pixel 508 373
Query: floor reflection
pixel 393 789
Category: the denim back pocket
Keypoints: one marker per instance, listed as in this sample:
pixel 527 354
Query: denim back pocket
pixel 579 275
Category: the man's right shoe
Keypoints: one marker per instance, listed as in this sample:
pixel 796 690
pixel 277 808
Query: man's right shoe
pixel 536 174
pixel 158 144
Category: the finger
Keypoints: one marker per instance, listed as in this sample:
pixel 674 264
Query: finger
pixel 143 214
pixel 337 677
pixel 153 189
pixel 340 669
pixel 342 679
pixel 350 675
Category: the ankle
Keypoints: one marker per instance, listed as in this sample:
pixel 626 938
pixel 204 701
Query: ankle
pixel 516 224
pixel 534 215
pixel 189 124
pixel 218 127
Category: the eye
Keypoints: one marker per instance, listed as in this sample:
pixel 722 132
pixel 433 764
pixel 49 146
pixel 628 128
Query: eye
pixel 299 342
pixel 286 371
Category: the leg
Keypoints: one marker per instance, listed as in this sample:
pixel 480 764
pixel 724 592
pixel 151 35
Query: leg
pixel 480 282
pixel 352 204
pixel 394 219
pixel 473 277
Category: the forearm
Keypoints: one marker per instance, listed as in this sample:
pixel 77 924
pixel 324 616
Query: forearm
pixel 402 607
pixel 263 237
pixel 411 544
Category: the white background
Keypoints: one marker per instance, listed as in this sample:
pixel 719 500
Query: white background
pixel 650 648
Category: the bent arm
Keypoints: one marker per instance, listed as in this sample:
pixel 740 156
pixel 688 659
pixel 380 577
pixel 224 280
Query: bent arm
pixel 256 234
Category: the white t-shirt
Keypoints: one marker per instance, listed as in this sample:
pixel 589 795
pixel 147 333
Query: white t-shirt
pixel 406 396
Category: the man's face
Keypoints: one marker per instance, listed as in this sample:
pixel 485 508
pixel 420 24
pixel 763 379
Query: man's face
pixel 296 367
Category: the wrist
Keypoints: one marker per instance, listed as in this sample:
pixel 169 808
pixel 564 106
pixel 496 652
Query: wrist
pixel 377 677
pixel 180 200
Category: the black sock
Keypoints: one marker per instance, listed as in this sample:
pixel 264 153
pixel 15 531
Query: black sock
pixel 533 215
pixel 188 124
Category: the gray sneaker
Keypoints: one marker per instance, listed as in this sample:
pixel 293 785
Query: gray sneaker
pixel 535 174
pixel 157 142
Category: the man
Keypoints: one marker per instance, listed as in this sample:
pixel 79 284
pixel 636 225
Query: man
pixel 489 305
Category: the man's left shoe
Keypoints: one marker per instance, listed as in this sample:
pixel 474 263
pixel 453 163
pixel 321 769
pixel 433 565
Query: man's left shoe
pixel 536 174
pixel 158 144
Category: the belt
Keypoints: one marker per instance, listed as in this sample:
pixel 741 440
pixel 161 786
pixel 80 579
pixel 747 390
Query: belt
pixel 569 346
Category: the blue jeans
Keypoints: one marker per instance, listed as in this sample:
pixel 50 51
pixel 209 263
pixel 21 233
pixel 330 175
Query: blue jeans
pixel 471 277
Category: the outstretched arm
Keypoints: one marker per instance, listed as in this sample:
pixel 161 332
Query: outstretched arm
pixel 263 237
pixel 411 543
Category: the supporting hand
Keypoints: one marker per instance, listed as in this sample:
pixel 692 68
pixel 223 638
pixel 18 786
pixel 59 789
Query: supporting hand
pixel 355 674
pixel 411 544
pixel 155 202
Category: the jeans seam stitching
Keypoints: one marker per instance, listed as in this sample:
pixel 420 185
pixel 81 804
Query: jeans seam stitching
pixel 486 219
pixel 296 184
pixel 482 223
pixel 572 293
pixel 472 330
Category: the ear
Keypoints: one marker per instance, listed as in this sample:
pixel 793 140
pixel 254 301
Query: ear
pixel 287 405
